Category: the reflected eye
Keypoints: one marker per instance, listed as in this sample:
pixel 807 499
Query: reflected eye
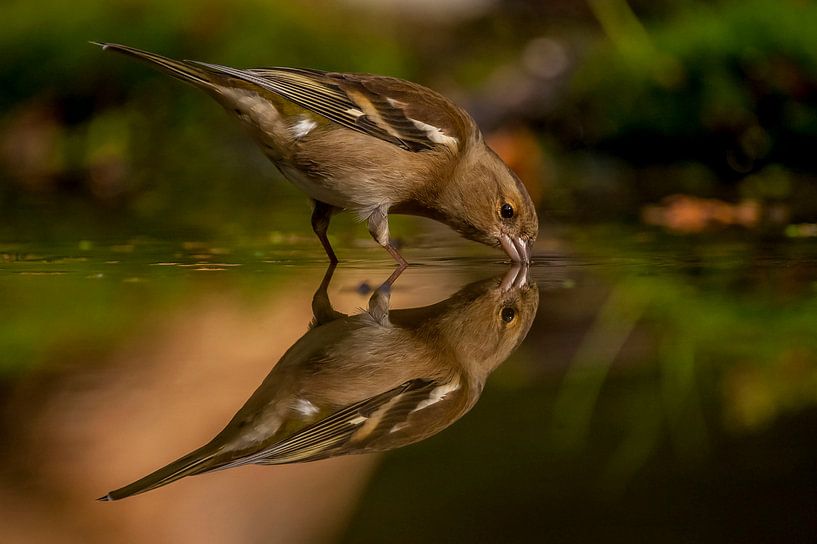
pixel 508 314
pixel 506 211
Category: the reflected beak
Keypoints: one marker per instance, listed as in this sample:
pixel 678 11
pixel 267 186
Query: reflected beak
pixel 516 248
pixel 516 277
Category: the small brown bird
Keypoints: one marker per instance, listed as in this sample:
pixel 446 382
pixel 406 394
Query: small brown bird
pixel 374 381
pixel 372 145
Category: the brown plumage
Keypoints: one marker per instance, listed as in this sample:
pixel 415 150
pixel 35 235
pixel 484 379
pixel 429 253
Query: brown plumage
pixel 372 145
pixel 369 382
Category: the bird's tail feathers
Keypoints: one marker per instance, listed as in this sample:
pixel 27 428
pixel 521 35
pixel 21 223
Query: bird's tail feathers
pixel 196 462
pixel 181 69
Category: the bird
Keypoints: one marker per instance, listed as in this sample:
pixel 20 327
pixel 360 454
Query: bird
pixel 369 382
pixel 371 145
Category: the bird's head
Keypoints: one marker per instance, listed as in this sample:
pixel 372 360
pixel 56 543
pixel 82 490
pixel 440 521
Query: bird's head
pixel 487 202
pixel 487 320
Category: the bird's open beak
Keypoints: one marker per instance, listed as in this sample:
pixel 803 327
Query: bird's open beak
pixel 517 249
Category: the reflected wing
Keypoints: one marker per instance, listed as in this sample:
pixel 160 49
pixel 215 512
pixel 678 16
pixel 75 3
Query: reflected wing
pixel 352 426
pixel 399 112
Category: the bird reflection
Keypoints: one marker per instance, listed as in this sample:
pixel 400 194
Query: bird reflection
pixel 369 382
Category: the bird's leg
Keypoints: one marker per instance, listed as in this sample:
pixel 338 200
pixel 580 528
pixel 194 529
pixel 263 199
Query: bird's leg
pixel 322 310
pixel 379 229
pixel 320 223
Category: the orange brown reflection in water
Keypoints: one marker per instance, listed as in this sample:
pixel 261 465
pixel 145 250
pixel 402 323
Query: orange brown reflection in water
pixel 168 389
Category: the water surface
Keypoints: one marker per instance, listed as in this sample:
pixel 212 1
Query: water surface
pixel 665 391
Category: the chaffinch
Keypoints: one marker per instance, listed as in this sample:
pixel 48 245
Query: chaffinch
pixel 369 382
pixel 372 145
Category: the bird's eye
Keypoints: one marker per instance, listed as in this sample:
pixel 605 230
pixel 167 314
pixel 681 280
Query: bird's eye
pixel 508 314
pixel 506 211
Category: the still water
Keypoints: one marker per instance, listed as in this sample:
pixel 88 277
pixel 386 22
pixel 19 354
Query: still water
pixel 626 386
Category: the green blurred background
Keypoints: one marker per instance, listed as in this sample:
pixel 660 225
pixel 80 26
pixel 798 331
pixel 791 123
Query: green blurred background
pixel 602 106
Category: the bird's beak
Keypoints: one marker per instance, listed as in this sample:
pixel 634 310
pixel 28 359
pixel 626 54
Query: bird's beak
pixel 516 248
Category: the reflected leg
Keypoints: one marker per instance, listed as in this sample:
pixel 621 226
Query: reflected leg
pixel 379 229
pixel 320 224
pixel 322 310
pixel 379 301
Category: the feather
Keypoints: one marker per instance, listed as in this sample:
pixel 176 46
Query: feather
pixel 322 438
pixel 347 100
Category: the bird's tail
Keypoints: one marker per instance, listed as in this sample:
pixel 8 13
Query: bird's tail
pixel 196 462
pixel 181 69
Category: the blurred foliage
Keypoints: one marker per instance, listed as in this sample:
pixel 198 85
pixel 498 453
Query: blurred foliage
pixel 727 314
pixel 80 126
pixel 733 84
pixel 619 104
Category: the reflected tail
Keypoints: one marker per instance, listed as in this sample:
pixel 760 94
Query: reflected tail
pixel 193 463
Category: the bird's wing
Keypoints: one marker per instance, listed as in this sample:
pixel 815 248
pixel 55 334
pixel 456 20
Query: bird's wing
pixel 402 113
pixel 349 428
